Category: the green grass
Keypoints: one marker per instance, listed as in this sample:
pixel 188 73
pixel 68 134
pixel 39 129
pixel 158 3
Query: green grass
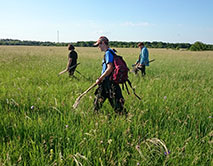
pixel 176 109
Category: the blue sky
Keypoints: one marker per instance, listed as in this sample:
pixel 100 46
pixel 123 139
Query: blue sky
pixel 171 21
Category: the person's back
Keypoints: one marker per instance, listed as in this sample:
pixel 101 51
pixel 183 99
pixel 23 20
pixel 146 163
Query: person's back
pixel 73 54
pixel 72 60
pixel 145 56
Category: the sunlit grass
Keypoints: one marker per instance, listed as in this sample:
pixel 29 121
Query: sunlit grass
pixel 38 125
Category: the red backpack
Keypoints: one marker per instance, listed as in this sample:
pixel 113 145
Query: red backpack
pixel 120 72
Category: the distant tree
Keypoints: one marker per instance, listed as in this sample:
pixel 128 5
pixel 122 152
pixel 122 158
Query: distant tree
pixel 117 44
pixel 198 46
pixel 177 48
pixel 209 47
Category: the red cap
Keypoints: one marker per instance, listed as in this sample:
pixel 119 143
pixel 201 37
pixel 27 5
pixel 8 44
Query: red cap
pixel 102 38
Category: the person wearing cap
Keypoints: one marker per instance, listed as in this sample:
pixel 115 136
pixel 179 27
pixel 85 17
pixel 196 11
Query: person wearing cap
pixel 106 87
pixel 72 60
pixel 143 59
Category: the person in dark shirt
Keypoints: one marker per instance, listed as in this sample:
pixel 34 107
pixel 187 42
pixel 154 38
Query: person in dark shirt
pixel 72 61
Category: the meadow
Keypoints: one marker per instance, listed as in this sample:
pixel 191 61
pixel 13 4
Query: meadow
pixel 171 125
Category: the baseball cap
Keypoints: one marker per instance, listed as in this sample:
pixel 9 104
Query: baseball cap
pixel 102 38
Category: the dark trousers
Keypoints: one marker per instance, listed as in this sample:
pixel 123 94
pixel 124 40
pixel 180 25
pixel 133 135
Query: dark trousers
pixel 143 70
pixel 71 72
pixel 111 91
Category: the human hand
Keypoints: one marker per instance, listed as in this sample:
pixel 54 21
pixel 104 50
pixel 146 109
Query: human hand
pixel 62 72
pixel 98 81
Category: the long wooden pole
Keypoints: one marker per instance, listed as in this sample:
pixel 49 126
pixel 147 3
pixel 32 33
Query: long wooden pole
pixel 77 101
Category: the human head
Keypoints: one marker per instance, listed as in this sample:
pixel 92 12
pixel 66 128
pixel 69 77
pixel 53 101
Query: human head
pixel 141 45
pixel 101 40
pixel 102 43
pixel 71 47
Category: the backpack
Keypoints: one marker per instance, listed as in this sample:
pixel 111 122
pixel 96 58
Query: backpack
pixel 120 73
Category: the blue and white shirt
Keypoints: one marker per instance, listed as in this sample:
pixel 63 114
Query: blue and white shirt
pixel 144 57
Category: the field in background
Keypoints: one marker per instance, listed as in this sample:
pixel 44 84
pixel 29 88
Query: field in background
pixel 172 125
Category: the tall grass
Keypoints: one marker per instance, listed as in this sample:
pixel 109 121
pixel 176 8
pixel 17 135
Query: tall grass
pixel 172 125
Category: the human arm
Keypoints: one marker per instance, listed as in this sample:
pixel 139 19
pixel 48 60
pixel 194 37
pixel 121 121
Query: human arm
pixel 68 63
pixel 137 62
pixel 67 67
pixel 106 73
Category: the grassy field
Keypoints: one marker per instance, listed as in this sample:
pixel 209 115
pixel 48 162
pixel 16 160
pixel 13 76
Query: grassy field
pixel 172 125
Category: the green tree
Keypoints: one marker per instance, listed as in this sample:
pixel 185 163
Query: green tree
pixel 198 46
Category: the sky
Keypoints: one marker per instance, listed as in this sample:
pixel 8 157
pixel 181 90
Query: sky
pixel 173 21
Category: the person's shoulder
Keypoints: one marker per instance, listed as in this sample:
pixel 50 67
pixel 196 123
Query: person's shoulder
pixel 73 52
pixel 109 55
pixel 110 51
pixel 145 48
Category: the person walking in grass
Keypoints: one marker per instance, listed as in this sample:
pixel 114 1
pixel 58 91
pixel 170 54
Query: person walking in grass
pixel 143 60
pixel 72 61
pixel 106 87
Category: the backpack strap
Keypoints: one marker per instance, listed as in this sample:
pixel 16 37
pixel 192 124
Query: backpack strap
pixel 112 52
pixel 133 89
pixel 126 88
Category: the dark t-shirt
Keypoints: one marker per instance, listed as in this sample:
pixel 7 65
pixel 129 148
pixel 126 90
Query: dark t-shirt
pixel 74 57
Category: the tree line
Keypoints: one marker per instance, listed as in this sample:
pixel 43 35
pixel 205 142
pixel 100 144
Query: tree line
pixel 197 46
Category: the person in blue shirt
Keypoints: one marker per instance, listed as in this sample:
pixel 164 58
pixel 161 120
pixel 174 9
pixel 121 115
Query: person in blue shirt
pixel 143 59
pixel 107 89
